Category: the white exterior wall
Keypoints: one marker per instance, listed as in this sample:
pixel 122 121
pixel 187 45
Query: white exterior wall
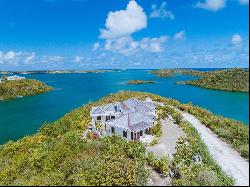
pixel 119 132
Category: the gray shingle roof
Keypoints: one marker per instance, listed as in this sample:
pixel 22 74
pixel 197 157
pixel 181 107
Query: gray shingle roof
pixel 133 115
pixel 132 121
pixel 140 126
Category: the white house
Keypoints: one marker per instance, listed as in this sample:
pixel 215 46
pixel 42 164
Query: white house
pixel 131 119
pixel 12 78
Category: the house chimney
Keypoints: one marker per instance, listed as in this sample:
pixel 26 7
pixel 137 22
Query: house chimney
pixel 129 125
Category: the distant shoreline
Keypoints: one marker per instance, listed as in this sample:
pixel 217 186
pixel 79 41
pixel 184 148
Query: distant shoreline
pixel 99 70
pixel 56 71
pixel 233 80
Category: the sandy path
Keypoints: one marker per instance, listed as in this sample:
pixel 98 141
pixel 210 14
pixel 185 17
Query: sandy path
pixel 229 159
pixel 167 142
pixel 165 147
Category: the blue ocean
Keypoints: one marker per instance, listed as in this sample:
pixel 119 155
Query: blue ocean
pixel 24 116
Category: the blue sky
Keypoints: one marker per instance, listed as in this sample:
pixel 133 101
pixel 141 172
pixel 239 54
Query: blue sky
pixel 91 34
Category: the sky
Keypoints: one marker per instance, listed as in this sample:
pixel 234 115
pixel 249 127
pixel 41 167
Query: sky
pixel 104 34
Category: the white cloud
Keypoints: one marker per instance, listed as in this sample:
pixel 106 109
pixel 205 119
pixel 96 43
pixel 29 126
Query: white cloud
pixel 180 35
pixel 124 22
pixel 51 59
pixel 95 46
pixel 153 44
pixel 14 58
pixel 78 59
pixel 128 46
pixel 1 57
pixel 236 40
pixel 244 2
pixel 161 11
pixel 10 55
pixel 125 45
pixel 30 58
pixel 120 25
pixel 212 5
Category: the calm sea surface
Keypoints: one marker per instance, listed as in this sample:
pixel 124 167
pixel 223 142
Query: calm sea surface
pixel 24 116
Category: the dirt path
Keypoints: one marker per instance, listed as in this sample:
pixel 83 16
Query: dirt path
pixel 167 142
pixel 229 159
pixel 155 179
pixel 165 147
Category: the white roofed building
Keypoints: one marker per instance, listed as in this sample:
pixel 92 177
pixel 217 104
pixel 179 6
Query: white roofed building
pixel 131 119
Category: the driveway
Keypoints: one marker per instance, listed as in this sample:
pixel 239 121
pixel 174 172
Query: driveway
pixel 229 159
pixel 167 142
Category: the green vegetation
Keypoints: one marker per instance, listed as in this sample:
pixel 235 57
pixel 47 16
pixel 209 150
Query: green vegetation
pixel 236 80
pixel 157 129
pixel 184 170
pixel 24 87
pixel 58 155
pixel 139 82
pixel 233 132
pixel 175 72
pixel 160 165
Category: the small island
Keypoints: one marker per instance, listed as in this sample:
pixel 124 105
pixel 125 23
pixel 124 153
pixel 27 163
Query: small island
pixel 140 82
pixel 235 80
pixel 16 86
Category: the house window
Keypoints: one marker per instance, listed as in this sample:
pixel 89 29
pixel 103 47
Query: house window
pixel 107 118
pixel 98 117
pixel 112 117
pixel 112 129
pixel 125 134
pixel 141 133
pixel 137 135
pixel 132 136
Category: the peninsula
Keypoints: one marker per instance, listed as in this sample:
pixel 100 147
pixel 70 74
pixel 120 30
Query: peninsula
pixel 235 80
pixel 15 86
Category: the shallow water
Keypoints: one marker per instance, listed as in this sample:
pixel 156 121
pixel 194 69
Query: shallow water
pixel 23 116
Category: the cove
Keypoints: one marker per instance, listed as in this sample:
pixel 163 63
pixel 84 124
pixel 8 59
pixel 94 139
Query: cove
pixel 24 116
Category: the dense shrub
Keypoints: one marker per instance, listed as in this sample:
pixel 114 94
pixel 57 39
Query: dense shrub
pixel 160 165
pixel 23 87
pixel 157 129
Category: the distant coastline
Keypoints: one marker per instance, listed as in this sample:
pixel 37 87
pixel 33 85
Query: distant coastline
pixel 234 80
pixel 57 71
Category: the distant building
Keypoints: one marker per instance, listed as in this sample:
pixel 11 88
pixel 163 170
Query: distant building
pixel 14 77
pixel 131 119
pixel 11 78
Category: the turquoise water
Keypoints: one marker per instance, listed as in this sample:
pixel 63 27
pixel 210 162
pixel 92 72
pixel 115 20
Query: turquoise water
pixel 23 116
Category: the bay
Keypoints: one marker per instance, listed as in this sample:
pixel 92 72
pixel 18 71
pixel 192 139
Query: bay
pixel 24 116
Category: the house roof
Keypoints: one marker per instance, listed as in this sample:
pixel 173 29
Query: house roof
pixel 134 121
pixel 133 114
pixel 140 126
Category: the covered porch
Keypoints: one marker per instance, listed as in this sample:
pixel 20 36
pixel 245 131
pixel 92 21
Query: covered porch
pixel 139 130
